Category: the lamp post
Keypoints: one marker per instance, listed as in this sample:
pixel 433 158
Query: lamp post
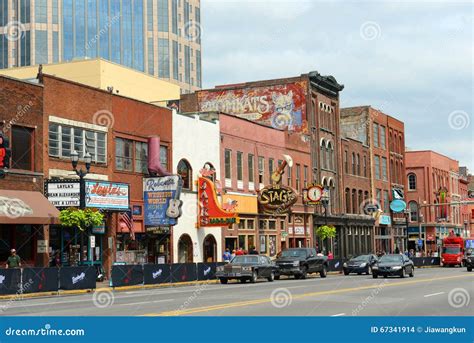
pixel 81 173
pixel 407 220
pixel 325 203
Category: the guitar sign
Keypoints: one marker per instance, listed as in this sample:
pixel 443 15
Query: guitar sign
pixel 174 206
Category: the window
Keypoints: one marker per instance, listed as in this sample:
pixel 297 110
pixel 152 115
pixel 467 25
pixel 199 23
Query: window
pixel 378 197
pixel 353 164
pixel 330 156
pixel 227 162
pixel 413 206
pixel 198 69
pixel 163 58
pixel 298 176
pixel 124 154
pixel 271 166
pixel 323 154
pixel 386 201
pixel 41 47
pixel 65 139
pixel 22 148
pixel 239 166
pixel 290 176
pixel 272 225
pixel 41 11
pixel 358 164
pixel 384 169
pixel 354 201
pixel 382 137
pixel 187 65
pixel 305 176
pixel 164 156
pixel 411 182
pixel 377 167
pixel 251 167
pixel 346 162
pixel 151 57
pixel 365 166
pixel 141 157
pixel 163 16
pixel 348 200
pixel 376 135
pixel 186 173
pixel 174 16
pixel 261 169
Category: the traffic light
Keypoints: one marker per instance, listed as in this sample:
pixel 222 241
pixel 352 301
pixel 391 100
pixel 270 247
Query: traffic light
pixel 4 154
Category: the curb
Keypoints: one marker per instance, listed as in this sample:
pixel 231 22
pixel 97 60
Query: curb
pixel 126 288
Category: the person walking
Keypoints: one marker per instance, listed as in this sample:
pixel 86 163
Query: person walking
pixel 253 251
pixel 330 255
pixel 232 255
pixel 226 256
pixel 13 260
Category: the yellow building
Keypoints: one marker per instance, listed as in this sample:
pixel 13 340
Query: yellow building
pixel 103 74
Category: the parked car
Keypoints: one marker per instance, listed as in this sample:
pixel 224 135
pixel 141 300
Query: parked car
pixel 300 262
pixel 469 260
pixel 393 265
pixel 248 267
pixel 360 264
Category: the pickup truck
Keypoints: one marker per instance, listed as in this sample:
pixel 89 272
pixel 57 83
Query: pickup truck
pixel 300 262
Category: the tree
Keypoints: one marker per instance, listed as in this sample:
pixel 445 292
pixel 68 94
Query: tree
pixel 82 219
pixel 326 232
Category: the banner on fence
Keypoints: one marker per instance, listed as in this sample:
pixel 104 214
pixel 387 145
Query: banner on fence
pixel 156 273
pixel 127 275
pixel 10 281
pixel 83 277
pixel 40 280
pixel 183 272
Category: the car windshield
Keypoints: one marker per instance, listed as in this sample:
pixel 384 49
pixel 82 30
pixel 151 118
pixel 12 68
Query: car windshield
pixel 390 258
pixel 293 253
pixel 451 250
pixel 245 259
pixel 361 258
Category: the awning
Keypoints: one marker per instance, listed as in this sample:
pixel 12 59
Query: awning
pixel 26 207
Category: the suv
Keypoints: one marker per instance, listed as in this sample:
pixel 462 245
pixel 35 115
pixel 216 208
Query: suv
pixel 302 261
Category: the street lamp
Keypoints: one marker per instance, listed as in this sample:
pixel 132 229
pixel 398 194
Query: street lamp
pixel 407 220
pixel 325 203
pixel 81 173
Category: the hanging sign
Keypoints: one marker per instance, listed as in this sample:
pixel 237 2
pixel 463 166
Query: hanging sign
pixel 63 193
pixel 107 195
pixel 313 194
pixel 162 206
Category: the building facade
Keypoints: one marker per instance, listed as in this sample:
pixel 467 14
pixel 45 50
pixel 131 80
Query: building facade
pixel 433 183
pixel 385 137
pixel 159 37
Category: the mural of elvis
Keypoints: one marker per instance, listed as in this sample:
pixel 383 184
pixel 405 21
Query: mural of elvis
pixel 4 152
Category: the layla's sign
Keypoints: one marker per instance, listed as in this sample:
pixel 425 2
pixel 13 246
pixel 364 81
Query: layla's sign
pixel 277 199
pixel 107 195
pixel 210 212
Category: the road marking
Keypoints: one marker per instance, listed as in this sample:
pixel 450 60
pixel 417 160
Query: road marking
pixel 299 296
pixel 145 302
pixel 338 315
pixel 432 295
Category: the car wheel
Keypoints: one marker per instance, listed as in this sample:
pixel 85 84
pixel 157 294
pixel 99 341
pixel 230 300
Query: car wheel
pixel 277 277
pixel 402 273
pixel 374 275
pixel 323 273
pixel 412 273
pixel 469 269
pixel 271 277
pixel 243 280
pixel 385 276
pixel 223 280
pixel 254 277
pixel 297 276
pixel 304 272
pixel 346 272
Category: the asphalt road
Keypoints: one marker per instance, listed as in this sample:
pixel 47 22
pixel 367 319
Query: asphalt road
pixel 432 292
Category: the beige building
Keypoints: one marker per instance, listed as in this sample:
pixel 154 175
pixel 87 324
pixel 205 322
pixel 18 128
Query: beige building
pixel 105 75
pixel 159 37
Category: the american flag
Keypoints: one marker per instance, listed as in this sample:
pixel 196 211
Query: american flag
pixel 126 219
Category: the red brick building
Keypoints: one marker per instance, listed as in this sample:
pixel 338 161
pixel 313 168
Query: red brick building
pixel 433 182
pixel 306 110
pixel 385 137
pixel 114 130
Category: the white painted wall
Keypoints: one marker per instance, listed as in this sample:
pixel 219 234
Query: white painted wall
pixel 198 141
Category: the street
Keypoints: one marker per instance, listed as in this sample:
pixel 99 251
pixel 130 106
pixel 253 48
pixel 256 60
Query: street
pixel 432 292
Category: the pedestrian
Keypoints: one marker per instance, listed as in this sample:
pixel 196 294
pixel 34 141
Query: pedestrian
pixel 397 251
pixel 232 255
pixel 253 251
pixel 14 260
pixel 226 256
pixel 330 256
pixel 239 251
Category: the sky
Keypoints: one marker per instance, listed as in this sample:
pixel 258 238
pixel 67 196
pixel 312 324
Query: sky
pixel 411 59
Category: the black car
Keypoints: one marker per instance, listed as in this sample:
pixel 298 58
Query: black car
pixel 248 267
pixel 302 261
pixel 469 260
pixel 393 265
pixel 360 264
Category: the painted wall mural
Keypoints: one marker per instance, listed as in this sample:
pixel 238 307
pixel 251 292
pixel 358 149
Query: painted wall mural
pixel 280 106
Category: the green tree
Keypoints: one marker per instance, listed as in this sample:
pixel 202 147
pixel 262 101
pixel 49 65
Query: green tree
pixel 82 219
pixel 326 232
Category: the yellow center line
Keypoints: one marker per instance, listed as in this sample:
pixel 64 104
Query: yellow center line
pixel 298 296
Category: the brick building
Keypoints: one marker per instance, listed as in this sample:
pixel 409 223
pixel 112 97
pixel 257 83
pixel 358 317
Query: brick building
pixel 433 182
pixel 306 110
pixel 114 130
pixel 385 137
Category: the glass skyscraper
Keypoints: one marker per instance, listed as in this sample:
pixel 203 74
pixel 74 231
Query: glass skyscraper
pixel 159 37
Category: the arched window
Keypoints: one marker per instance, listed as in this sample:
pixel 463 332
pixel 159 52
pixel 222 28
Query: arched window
pixel 361 200
pixel 402 148
pixel 396 173
pixel 353 164
pixel 185 249
pixel 186 173
pixel 358 164
pixel 348 200
pixel 413 206
pixel 354 201
pixel 210 249
pixel 330 156
pixel 323 154
pixel 332 194
pixel 392 173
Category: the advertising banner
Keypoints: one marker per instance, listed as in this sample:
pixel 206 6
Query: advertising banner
pixel 107 195
pixel 10 281
pixel 82 277
pixel 127 275
pixel 156 273
pixel 64 193
pixel 183 272
pixel 40 280
pixel 280 106
pixel 207 271
pixel 158 194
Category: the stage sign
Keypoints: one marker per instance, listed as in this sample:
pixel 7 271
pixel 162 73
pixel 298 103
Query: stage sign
pixel 277 199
